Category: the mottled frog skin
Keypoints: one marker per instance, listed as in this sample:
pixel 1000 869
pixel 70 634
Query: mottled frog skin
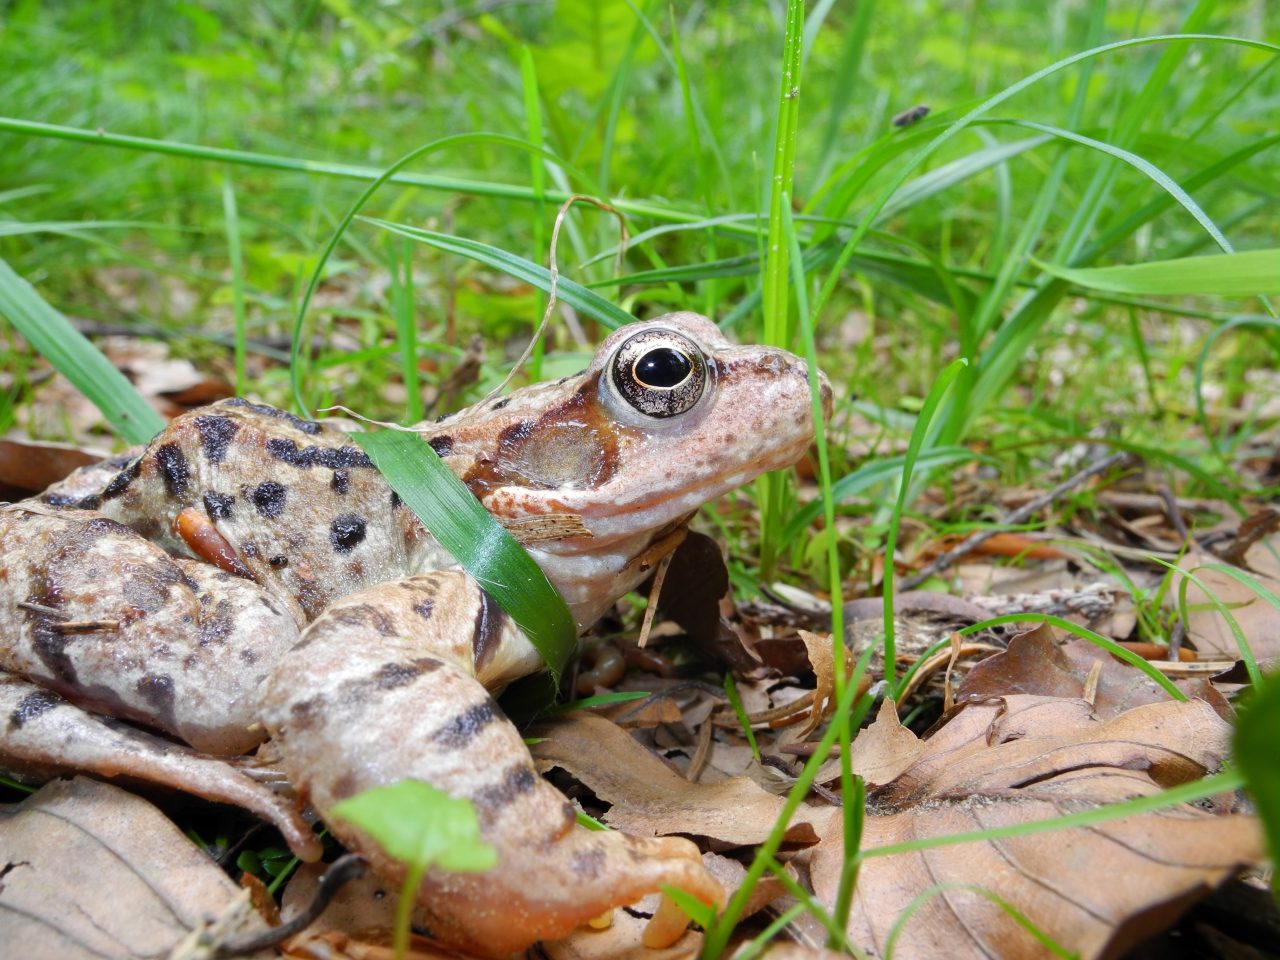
pixel 250 575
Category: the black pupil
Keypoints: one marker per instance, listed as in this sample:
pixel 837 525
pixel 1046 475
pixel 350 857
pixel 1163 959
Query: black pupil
pixel 664 367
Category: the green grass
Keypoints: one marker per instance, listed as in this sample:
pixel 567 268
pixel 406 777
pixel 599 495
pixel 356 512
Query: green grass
pixel 240 164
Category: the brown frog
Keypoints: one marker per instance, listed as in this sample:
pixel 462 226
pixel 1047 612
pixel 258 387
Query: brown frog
pixel 250 574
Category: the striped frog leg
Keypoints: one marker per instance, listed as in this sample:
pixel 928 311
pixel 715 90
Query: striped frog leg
pixel 389 684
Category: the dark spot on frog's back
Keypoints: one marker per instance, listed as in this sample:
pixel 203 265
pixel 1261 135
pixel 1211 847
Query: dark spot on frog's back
pixel 587 863
pixel 215 434
pixel 340 482
pixel 517 780
pixel 490 619
pixel 173 467
pixel 347 532
pixel 392 675
pixel 145 593
pixel 157 690
pixel 268 497
pixel 32 706
pixel 334 458
pixel 104 525
pixel 306 426
pixel 218 505
pixel 362 616
pixel 442 445
pixel 120 482
pixel 467 725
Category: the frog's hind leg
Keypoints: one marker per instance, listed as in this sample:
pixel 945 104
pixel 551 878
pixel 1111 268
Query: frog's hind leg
pixel 93 617
pixel 389 684
pixel 45 735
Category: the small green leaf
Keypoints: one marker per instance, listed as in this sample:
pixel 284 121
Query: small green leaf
pixel 477 541
pixel 420 826
pixel 1255 751
pixel 76 358
pixel 1245 274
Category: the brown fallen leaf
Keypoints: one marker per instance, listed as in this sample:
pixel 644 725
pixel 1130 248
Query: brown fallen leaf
pixel 357 923
pixel 1037 663
pixel 1208 630
pixel 1094 890
pixel 649 798
pixel 91 870
pixel 27 467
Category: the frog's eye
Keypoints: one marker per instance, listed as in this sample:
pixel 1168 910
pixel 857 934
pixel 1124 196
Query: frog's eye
pixel 660 373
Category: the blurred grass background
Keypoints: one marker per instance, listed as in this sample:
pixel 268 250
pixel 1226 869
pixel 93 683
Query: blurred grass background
pixel 671 111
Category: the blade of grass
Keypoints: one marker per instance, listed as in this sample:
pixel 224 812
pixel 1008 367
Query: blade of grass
pixel 297 366
pixel 986 106
pixel 852 791
pixel 232 217
pixel 537 177
pixel 924 423
pixel 468 531
pixel 662 212
pixel 873 473
pixel 846 714
pixel 775 296
pixel 1242 643
pixel 72 355
pixel 1017 916
pixel 1248 273
pixel 731 691
pixel 1223 782
pixel 574 294
pixel 1097 639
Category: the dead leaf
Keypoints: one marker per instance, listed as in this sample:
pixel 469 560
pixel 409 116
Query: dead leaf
pixel 94 871
pixel 1208 630
pixel 357 924
pixel 1095 890
pixel 27 467
pixel 1037 663
pixel 649 798
pixel 886 748
pixel 822 659
pixel 695 581
pixel 796 951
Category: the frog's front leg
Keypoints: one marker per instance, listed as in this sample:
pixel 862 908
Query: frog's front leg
pixel 389 684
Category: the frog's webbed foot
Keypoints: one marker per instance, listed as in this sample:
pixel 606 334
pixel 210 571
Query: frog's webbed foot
pixel 389 684
pixel 46 735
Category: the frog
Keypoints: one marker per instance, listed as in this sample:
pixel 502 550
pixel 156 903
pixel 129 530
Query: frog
pixel 249 584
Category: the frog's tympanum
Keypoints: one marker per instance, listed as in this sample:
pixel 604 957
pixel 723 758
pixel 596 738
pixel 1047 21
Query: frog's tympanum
pixel 250 575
